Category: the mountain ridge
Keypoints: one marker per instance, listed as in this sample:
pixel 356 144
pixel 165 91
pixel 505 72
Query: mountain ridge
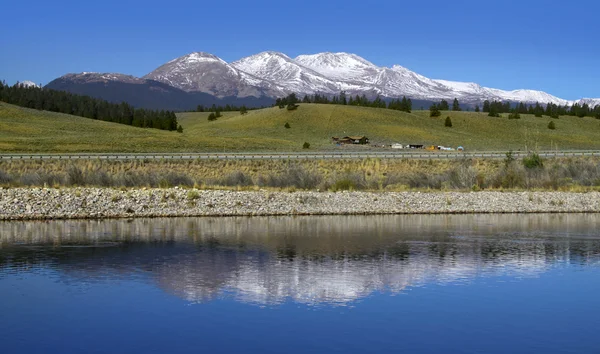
pixel 270 74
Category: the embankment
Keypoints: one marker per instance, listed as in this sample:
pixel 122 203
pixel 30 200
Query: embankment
pixel 74 203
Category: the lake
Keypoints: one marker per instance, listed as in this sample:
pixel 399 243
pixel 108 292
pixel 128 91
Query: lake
pixel 322 284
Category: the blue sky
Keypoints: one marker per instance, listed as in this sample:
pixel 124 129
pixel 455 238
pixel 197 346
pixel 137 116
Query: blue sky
pixel 544 45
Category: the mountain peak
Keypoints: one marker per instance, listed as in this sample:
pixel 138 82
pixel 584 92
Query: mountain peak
pixel 28 83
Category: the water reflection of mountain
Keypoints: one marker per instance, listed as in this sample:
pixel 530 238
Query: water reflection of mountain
pixel 305 259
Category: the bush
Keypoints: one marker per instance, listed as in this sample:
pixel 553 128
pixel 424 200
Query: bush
pixel 193 195
pixel 287 125
pixel 345 184
pixel 237 179
pixel 306 145
pixel 292 107
pixel 514 115
pixel 533 161
pixel 551 125
pixel 434 111
pixel 4 177
pixel 509 158
pixel 212 117
pixel 75 176
pixel 180 129
pixel 448 122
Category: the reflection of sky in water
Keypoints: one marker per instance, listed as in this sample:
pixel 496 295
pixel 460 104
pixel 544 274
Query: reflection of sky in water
pixel 414 284
pixel 307 260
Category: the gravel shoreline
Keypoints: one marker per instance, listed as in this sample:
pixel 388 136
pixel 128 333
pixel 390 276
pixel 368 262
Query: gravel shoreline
pixel 91 203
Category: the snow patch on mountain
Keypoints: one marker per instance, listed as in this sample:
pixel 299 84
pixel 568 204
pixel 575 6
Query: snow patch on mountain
pixel 208 73
pixel 284 71
pixel 273 74
pixel 340 66
pixel 28 83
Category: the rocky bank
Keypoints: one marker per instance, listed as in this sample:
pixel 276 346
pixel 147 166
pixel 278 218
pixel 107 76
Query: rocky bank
pixel 75 203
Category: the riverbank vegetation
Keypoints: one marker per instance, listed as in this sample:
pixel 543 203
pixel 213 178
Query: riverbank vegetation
pixel 531 173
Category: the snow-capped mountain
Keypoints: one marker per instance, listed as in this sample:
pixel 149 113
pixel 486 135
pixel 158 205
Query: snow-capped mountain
pixel 341 66
pixel 28 83
pixel 291 75
pixel 269 75
pixel 473 91
pixel 208 73
pixel 92 77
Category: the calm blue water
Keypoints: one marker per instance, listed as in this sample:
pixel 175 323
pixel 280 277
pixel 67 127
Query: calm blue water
pixel 360 284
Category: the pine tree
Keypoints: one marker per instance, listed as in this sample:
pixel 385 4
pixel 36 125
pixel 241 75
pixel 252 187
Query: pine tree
pixel 551 125
pixel 486 106
pixel 455 105
pixel 448 122
pixel 443 106
pixel 477 108
pixel 434 111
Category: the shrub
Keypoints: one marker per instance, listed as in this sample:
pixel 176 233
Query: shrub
pixel 434 111
pixel 514 115
pixel 212 117
pixel 344 184
pixel 287 125
pixel 237 179
pixel 292 107
pixel 4 177
pixel 75 176
pixel 306 145
pixel 533 161
pixel 448 122
pixel 180 129
pixel 551 125
pixel 193 194
pixel 509 158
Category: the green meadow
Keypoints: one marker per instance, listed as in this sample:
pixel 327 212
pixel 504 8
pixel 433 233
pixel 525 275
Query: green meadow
pixel 26 130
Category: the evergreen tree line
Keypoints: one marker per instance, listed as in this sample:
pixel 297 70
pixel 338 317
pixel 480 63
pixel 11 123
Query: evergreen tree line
pixel 443 106
pixel 227 108
pixel 88 107
pixel 404 104
pixel 494 108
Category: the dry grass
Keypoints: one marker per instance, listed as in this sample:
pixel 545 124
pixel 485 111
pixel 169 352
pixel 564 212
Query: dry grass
pixel 577 174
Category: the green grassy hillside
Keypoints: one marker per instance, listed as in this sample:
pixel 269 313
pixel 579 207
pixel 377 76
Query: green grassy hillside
pixel 26 130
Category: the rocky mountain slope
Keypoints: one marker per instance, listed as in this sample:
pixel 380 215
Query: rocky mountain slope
pixel 260 78
pixel 144 93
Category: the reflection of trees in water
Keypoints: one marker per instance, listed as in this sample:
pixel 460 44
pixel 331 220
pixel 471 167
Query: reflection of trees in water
pixel 305 259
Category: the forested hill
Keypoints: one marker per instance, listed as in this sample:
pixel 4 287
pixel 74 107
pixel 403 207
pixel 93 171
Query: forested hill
pixel 88 107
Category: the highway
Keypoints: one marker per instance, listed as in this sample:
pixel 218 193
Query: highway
pixel 420 154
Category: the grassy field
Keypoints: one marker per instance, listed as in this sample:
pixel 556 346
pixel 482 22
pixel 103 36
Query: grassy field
pixel 569 174
pixel 26 130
